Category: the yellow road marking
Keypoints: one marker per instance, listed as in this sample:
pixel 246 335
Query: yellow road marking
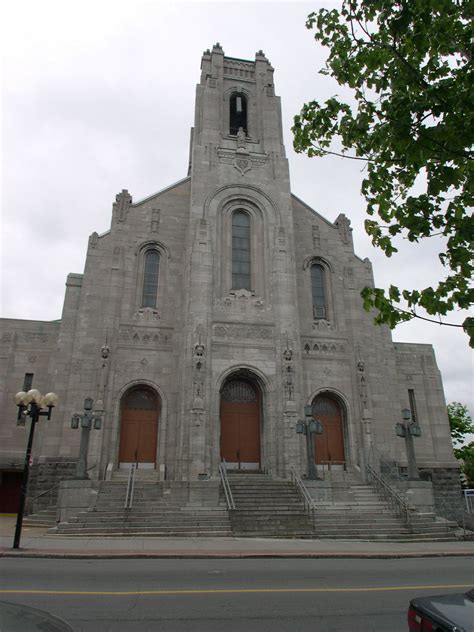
pixel 213 591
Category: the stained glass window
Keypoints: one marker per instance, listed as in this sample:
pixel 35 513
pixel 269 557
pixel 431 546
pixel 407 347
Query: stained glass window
pixel 239 391
pixel 141 399
pixel 241 251
pixel 318 291
pixel 324 405
pixel 150 279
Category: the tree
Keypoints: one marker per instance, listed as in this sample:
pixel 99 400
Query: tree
pixel 461 425
pixel 409 65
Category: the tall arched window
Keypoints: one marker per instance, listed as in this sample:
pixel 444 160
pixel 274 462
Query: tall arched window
pixel 238 113
pixel 150 278
pixel 241 251
pixel 318 291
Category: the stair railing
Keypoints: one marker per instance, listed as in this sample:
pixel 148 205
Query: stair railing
pixel 130 487
pixel 49 496
pixel 226 485
pixel 304 493
pixel 386 491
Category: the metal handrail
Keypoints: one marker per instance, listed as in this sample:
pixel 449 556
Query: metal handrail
pixel 306 497
pixel 226 485
pixel 388 493
pixel 35 499
pixel 130 487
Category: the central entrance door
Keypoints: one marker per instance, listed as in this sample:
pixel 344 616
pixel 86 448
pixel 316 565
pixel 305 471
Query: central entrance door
pixel 140 411
pixel 240 425
pixel 329 446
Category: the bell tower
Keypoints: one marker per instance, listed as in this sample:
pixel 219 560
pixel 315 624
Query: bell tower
pixel 237 129
pixel 240 278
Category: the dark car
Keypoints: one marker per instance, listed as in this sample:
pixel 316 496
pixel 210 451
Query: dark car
pixel 442 613
pixel 15 617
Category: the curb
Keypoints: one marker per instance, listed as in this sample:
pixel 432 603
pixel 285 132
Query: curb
pixel 231 555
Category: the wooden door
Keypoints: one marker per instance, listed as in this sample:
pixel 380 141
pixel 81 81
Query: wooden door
pixel 329 446
pixel 240 425
pixel 139 427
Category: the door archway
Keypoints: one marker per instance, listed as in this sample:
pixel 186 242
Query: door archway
pixel 139 414
pixel 240 415
pixel 329 445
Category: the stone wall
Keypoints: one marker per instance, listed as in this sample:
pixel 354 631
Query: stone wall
pixel 446 490
pixel 46 476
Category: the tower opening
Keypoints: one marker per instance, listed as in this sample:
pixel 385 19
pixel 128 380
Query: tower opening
pixel 238 113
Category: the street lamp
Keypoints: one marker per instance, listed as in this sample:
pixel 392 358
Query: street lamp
pixel 30 404
pixel 85 421
pixel 409 429
pixel 309 427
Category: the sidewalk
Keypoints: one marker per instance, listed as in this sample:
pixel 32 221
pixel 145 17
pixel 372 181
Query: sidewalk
pixel 35 542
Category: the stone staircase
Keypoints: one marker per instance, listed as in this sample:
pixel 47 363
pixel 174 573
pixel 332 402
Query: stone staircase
pixel 42 518
pixel 158 510
pixel 359 514
pixel 267 508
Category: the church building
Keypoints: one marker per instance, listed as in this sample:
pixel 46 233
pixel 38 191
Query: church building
pixel 210 315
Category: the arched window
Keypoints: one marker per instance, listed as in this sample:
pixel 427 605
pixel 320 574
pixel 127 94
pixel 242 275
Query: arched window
pixel 238 113
pixel 150 278
pixel 241 251
pixel 318 291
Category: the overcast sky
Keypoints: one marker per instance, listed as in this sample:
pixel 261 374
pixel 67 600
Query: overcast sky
pixel 99 96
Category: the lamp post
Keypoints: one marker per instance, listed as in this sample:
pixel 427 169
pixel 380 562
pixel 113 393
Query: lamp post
pixel 85 421
pixel 309 427
pixel 409 429
pixel 30 405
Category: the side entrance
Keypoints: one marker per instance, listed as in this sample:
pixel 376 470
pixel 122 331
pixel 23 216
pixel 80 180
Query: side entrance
pixel 139 418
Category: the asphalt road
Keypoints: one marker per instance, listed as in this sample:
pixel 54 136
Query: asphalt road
pixel 231 595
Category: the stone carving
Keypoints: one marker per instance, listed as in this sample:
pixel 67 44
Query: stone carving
pixel 33 336
pixel 243 300
pixel 6 338
pixel 230 156
pixel 117 257
pixel 211 82
pixel 155 220
pixel 349 282
pixel 288 374
pixel 147 314
pixel 343 224
pixel 121 206
pixel 199 365
pixel 94 240
pixel 316 236
pixel 32 359
pixel 242 165
pixel 149 337
pixel 241 138
pixel 327 347
pixel 103 376
pixel 322 325
pixel 243 331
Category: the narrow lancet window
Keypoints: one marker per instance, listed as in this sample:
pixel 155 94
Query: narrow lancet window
pixel 318 291
pixel 241 251
pixel 238 113
pixel 150 279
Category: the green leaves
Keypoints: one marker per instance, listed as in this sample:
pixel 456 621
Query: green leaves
pixel 408 64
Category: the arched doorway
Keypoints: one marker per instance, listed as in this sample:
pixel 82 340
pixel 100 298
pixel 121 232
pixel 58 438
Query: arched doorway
pixel 329 446
pixel 139 412
pixel 240 424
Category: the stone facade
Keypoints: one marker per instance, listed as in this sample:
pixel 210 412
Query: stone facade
pixel 200 331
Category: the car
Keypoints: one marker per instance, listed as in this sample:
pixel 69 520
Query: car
pixel 15 617
pixel 442 613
